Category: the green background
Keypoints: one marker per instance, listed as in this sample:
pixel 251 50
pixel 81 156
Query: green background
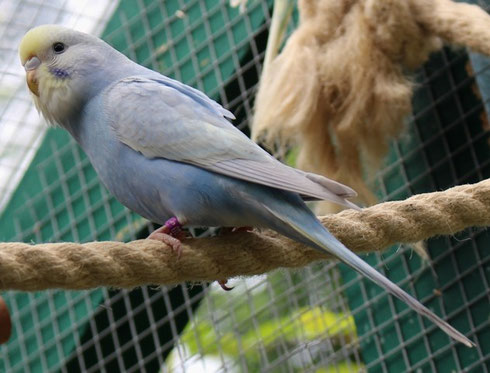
pixel 214 48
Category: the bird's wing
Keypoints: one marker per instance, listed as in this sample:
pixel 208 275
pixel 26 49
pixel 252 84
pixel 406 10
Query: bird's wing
pixel 163 118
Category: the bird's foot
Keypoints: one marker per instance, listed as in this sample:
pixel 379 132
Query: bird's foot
pixel 222 283
pixel 170 233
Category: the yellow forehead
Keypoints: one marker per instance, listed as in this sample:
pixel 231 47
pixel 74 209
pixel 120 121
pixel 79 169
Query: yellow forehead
pixel 36 40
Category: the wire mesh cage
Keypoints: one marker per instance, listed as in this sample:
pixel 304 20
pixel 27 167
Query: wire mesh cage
pixel 322 318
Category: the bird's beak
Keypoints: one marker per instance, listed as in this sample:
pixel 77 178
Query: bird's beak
pixel 31 68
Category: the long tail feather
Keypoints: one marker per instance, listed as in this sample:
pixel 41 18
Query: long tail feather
pixel 331 245
pixel 322 239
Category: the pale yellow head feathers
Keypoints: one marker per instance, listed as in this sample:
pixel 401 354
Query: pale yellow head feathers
pixel 32 43
pixel 37 41
pixel 64 68
pixel 48 68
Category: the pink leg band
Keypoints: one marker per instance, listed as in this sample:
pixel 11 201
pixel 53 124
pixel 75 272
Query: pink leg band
pixel 173 225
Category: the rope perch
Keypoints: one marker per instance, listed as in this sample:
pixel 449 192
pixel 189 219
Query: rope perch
pixel 127 265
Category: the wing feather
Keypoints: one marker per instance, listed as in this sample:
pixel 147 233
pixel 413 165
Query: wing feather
pixel 277 175
pixel 163 118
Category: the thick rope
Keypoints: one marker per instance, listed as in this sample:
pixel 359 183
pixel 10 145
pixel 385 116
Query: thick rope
pixel 126 265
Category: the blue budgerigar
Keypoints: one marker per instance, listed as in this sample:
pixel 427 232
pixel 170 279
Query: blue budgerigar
pixel 169 153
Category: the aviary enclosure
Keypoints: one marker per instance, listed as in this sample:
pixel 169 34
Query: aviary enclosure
pixel 321 318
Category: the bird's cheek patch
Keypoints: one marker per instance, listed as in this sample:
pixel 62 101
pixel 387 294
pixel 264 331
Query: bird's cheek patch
pixel 59 73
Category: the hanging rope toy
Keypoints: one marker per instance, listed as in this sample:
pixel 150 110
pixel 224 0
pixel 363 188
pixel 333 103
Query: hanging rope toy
pixel 339 91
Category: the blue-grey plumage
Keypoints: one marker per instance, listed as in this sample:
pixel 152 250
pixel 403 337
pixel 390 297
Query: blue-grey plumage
pixel 166 150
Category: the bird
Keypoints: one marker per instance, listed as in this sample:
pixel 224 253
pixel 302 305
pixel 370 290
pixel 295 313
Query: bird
pixel 171 154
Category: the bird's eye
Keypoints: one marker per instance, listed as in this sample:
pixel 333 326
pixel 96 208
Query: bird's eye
pixel 58 47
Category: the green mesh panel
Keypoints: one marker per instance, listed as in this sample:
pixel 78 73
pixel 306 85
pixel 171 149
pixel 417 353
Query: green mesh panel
pixel 267 325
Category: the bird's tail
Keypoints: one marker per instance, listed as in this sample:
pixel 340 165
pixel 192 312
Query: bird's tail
pixel 311 231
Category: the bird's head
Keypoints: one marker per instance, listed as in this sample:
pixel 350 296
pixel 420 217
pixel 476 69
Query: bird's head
pixel 63 69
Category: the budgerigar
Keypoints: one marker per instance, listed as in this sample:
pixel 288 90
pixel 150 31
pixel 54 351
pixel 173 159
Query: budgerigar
pixel 169 153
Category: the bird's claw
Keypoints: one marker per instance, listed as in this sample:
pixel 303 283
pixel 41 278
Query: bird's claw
pixel 167 239
pixel 171 234
pixel 222 283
